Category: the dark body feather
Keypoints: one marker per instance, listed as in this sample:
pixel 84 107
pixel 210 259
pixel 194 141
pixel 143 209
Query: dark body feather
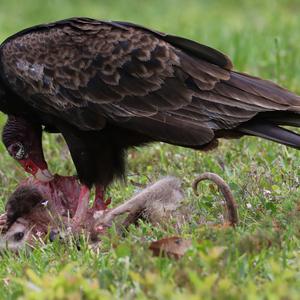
pixel 107 86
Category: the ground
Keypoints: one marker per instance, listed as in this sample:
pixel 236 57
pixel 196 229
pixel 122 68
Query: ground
pixel 260 258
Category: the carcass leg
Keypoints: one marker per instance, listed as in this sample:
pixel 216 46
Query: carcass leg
pixel 82 206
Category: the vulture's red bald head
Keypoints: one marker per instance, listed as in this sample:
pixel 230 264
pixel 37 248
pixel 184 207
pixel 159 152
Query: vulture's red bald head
pixel 23 140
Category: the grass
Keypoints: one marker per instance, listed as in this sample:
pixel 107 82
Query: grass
pixel 258 260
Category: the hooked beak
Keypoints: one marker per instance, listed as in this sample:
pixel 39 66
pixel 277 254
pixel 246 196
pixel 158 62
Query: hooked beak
pixel 43 175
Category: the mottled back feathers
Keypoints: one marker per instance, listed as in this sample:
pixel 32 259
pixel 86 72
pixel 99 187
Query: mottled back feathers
pixel 88 72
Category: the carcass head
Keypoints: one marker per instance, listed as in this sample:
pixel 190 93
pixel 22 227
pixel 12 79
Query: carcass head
pixel 26 219
pixel 36 209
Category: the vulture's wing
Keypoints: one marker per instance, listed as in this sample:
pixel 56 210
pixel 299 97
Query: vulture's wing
pixel 90 72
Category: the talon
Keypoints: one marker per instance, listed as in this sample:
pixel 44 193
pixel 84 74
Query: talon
pixel 108 201
pixel 100 204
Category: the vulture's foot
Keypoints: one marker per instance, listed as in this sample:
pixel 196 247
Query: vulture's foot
pixel 99 202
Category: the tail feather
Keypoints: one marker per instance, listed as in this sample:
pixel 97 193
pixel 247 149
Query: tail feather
pixel 286 118
pixel 273 132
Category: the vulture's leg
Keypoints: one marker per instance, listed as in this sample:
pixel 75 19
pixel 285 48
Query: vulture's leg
pixel 82 206
pixel 99 202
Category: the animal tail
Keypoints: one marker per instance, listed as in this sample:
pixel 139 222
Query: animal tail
pixel 269 127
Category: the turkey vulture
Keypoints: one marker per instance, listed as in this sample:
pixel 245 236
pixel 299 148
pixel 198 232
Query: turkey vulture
pixel 106 86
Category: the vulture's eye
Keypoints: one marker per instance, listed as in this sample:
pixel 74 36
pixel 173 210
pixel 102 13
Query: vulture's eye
pixel 18 236
pixel 17 150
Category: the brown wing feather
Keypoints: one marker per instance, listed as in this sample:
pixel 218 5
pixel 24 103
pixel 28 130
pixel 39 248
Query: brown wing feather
pixel 89 72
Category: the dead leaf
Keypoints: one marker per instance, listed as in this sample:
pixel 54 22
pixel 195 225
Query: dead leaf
pixel 174 247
